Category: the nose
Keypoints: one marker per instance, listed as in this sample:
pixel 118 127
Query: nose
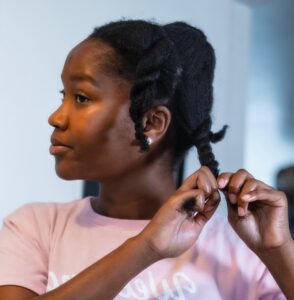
pixel 59 118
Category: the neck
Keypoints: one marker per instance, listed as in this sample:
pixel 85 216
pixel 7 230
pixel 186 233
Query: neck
pixel 137 195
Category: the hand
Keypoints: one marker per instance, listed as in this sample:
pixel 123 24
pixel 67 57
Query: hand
pixel 256 211
pixel 178 223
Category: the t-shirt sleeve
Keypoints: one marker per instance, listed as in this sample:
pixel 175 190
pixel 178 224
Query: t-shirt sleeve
pixel 23 259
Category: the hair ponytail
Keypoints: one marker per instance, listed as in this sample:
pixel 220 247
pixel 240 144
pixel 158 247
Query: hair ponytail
pixel 171 65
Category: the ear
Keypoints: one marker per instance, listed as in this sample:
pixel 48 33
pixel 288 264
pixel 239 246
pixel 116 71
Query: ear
pixel 156 122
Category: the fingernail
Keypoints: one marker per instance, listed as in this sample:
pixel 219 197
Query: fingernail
pixel 221 183
pixel 241 211
pixel 246 197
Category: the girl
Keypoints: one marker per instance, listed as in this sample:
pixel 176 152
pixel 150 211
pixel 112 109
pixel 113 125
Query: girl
pixel 136 97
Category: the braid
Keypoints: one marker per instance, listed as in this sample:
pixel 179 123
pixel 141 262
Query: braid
pixel 154 82
pixel 171 65
pixel 142 94
pixel 156 68
pixel 192 112
pixel 219 135
pixel 202 138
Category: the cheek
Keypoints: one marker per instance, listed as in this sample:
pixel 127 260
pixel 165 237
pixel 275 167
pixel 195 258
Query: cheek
pixel 92 134
pixel 104 147
pixel 114 149
pixel 103 137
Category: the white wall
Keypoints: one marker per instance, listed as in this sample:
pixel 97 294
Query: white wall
pixel 35 37
pixel 270 121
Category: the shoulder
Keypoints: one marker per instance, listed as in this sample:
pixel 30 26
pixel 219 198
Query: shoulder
pixel 42 211
pixel 39 217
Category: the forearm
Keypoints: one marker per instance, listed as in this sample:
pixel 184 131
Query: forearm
pixel 106 278
pixel 280 263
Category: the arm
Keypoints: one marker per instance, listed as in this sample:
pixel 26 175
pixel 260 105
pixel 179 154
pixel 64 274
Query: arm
pixel 259 215
pixel 172 231
pixel 114 271
pixel 280 263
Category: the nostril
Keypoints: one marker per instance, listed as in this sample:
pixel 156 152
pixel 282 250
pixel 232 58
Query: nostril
pixel 58 120
pixel 52 120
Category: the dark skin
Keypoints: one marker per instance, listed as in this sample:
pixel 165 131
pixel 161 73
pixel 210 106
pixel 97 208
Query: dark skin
pixel 98 143
pixel 94 120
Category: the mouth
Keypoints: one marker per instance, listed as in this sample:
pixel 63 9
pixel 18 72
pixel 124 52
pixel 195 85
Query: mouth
pixel 57 147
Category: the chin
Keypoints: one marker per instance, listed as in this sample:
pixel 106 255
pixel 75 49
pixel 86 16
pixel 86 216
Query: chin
pixel 67 173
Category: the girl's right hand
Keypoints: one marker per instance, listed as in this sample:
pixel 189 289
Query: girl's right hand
pixel 178 223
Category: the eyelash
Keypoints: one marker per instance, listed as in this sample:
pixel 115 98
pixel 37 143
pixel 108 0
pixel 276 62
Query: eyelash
pixel 81 97
pixel 78 97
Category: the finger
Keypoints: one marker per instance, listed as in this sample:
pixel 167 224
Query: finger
pixel 242 209
pixel 237 181
pixel 190 202
pixel 210 176
pixel 223 180
pixel 232 208
pixel 223 184
pixel 190 182
pixel 232 211
pixel 198 180
pixel 267 196
pixel 203 183
pixel 213 183
pixel 210 205
pixel 209 209
pixel 234 186
pixel 250 185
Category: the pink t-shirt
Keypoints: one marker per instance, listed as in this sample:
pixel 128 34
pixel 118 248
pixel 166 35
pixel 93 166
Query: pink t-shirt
pixel 42 245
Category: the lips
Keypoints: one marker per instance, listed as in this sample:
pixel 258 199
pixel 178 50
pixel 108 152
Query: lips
pixel 58 147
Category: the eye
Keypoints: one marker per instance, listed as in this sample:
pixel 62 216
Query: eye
pixel 81 98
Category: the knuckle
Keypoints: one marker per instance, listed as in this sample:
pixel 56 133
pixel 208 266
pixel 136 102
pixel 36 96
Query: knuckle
pixel 242 171
pixel 251 181
pixel 225 175
pixel 205 169
pixel 255 193
pixel 259 182
pixel 233 188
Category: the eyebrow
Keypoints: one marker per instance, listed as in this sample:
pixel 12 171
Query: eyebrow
pixel 84 77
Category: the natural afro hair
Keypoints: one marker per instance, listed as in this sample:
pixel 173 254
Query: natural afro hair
pixel 171 65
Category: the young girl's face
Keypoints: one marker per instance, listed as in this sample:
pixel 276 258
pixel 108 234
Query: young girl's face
pixel 93 135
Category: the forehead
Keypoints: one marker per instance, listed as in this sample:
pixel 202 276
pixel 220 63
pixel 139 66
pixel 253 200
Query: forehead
pixel 90 57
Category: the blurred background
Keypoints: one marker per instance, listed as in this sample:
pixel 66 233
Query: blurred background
pixel 254 87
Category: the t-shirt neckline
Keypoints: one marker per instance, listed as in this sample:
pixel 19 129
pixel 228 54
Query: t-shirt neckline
pixel 101 219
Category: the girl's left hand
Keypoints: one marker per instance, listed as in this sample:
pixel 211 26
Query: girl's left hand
pixel 257 212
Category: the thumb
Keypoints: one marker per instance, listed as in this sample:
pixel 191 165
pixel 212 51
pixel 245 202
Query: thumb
pixel 209 209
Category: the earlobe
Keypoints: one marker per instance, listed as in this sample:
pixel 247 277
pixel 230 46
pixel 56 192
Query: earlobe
pixel 149 140
pixel 156 122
